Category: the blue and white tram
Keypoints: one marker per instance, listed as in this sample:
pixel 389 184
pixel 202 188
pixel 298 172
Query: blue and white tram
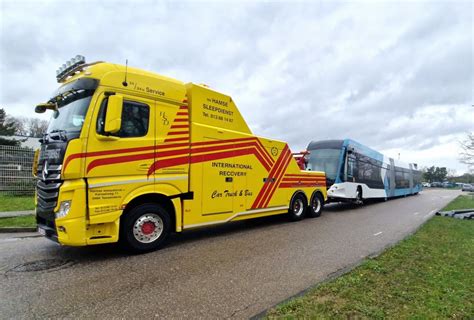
pixel 355 172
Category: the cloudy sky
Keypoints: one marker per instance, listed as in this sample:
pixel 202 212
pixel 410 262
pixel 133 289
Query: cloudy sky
pixel 396 76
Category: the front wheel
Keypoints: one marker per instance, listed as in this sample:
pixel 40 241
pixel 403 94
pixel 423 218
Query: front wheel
pixel 297 207
pixel 145 228
pixel 316 205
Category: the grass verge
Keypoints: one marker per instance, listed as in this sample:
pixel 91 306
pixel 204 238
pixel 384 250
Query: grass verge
pixel 23 221
pixel 461 202
pixel 11 203
pixel 429 275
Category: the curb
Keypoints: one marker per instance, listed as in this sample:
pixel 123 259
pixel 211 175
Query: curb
pixel 11 214
pixel 17 229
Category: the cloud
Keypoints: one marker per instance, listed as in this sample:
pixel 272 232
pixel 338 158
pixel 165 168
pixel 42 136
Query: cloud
pixel 395 75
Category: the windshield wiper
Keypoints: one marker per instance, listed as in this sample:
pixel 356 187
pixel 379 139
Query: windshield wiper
pixel 61 134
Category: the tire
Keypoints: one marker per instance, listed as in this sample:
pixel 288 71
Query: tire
pixel 315 207
pixel 144 228
pixel 359 199
pixel 298 207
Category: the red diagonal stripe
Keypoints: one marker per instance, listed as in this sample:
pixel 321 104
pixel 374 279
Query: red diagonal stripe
pixel 239 145
pixel 267 164
pixel 118 151
pixel 267 185
pixel 195 151
pixel 169 153
pixel 127 158
pixel 262 149
pixel 198 158
pixel 274 186
pixel 263 156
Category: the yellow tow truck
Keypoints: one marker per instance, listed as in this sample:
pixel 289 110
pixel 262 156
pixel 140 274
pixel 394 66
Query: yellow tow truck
pixel 131 155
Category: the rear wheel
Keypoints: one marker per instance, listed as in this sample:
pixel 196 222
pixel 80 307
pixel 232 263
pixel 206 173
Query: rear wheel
pixel 145 228
pixel 358 199
pixel 298 206
pixel 315 205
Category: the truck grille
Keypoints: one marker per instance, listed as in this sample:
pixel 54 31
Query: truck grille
pixel 47 192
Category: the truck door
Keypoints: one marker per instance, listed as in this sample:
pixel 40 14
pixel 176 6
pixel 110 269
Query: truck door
pixel 117 163
pixel 245 175
pixel 217 186
pixel 172 142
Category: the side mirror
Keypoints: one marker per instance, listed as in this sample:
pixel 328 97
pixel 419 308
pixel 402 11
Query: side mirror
pixel 42 107
pixel 113 117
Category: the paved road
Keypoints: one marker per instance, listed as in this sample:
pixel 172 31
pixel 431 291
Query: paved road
pixel 231 271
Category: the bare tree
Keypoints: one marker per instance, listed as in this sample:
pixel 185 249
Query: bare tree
pixel 37 127
pixel 20 124
pixel 467 147
pixel 451 173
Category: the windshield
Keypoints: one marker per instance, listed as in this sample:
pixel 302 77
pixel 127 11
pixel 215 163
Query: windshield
pixel 72 101
pixel 70 116
pixel 325 160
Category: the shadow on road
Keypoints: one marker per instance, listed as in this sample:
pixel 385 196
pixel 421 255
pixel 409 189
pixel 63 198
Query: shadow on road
pixel 114 251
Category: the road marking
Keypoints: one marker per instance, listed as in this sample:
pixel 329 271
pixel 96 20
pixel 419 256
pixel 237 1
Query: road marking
pixel 378 233
pixel 416 213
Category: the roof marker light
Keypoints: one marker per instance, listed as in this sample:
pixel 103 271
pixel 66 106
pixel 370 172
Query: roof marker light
pixel 70 67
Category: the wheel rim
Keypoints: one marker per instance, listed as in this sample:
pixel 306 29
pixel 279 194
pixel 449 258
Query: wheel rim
pixel 298 207
pixel 147 228
pixel 316 204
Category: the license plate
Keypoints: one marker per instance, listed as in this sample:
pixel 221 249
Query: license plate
pixel 42 231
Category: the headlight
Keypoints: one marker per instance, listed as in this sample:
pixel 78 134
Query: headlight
pixel 63 209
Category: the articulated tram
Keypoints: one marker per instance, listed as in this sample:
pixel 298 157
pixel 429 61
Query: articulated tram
pixel 355 172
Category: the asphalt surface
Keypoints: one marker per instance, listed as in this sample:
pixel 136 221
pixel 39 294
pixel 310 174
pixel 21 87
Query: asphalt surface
pixel 233 271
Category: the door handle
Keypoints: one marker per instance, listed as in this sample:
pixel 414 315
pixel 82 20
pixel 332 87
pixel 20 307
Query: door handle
pixel 144 166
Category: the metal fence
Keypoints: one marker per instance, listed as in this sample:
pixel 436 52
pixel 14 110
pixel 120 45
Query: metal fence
pixel 16 176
